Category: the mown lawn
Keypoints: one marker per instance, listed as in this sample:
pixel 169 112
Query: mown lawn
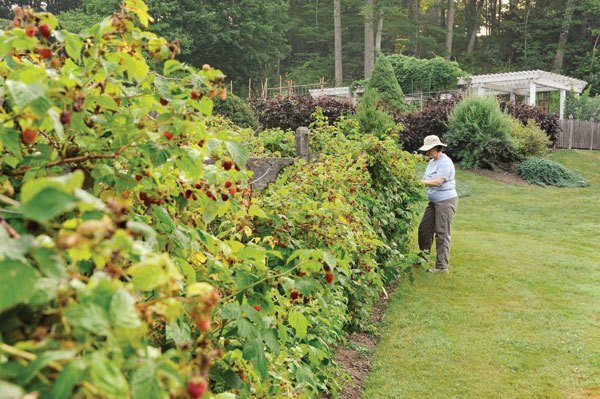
pixel 519 314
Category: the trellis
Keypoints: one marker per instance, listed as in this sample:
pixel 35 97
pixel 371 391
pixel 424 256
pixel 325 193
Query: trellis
pixel 525 83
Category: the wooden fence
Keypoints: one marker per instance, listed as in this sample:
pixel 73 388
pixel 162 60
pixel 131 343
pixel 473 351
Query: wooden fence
pixel 584 135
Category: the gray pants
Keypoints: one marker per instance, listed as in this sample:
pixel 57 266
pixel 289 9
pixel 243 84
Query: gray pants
pixel 438 220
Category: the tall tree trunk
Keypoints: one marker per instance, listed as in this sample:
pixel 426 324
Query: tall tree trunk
pixel 379 34
pixel 449 29
pixel 369 39
pixel 476 25
pixel 493 16
pixel 337 26
pixel 564 37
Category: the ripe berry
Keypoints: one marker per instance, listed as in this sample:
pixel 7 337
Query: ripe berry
pixel 138 177
pixel 143 196
pixel 198 186
pixel 237 168
pixel 227 165
pixel 232 191
pixel 45 31
pixel 164 101
pixel 29 135
pixel 196 388
pixel 228 184
pixel 168 135
pixel 188 194
pixel 257 308
pixel 195 95
pixel 329 278
pixel 65 117
pixel 45 53
pixel 223 95
pixel 30 31
pixel 210 195
pixel 327 268
pixel 224 197
pixel 294 295
pixel 203 325
pixel 301 274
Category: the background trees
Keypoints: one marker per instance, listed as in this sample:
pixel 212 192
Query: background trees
pixel 296 38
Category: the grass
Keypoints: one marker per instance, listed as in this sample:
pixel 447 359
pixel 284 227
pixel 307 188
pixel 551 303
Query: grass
pixel 519 314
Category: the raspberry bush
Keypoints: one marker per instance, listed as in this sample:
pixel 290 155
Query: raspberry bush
pixel 135 259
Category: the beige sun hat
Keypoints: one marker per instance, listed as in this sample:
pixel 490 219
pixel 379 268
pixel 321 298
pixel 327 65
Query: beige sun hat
pixel 430 142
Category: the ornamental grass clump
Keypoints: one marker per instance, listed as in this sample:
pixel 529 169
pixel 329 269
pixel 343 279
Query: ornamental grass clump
pixel 544 172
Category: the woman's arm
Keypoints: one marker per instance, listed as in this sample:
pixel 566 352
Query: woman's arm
pixel 437 182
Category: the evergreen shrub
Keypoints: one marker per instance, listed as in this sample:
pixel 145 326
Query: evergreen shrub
pixel 479 135
pixel 531 141
pixel 544 172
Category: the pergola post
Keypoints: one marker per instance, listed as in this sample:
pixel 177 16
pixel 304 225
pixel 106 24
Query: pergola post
pixel 563 97
pixel 513 97
pixel 532 93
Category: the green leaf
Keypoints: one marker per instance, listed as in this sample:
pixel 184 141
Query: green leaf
pixel 73 44
pixel 90 317
pixel 270 337
pixel 66 183
pixel 246 329
pixel 144 383
pixel 24 94
pixel 11 140
pixel 163 216
pixel 255 353
pixel 47 204
pixel 172 66
pixel 306 286
pixel 256 211
pixel 299 322
pixel 329 259
pixel 122 310
pixel 149 274
pixel 68 378
pixel 180 333
pixel 231 311
pixel 17 280
pixel 238 153
pixel 49 263
pixel 107 377
pixel 42 361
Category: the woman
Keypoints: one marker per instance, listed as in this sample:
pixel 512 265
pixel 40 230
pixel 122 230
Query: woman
pixel 443 201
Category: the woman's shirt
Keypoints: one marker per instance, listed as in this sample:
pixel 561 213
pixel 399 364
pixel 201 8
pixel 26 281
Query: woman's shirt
pixel 444 168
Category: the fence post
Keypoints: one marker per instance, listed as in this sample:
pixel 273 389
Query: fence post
pixel 592 134
pixel 570 132
pixel 302 148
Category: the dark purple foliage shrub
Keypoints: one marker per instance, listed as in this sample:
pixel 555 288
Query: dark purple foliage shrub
pixel 433 119
pixel 293 112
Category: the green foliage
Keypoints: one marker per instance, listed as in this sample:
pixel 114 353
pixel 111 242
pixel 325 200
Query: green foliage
pixel 584 107
pixel 135 259
pixel 530 140
pixel 237 110
pixel 425 75
pixel 271 143
pixel 372 119
pixel 209 32
pixel 544 172
pixel 479 134
pixel 384 82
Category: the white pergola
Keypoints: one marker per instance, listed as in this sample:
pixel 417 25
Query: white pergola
pixel 525 83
